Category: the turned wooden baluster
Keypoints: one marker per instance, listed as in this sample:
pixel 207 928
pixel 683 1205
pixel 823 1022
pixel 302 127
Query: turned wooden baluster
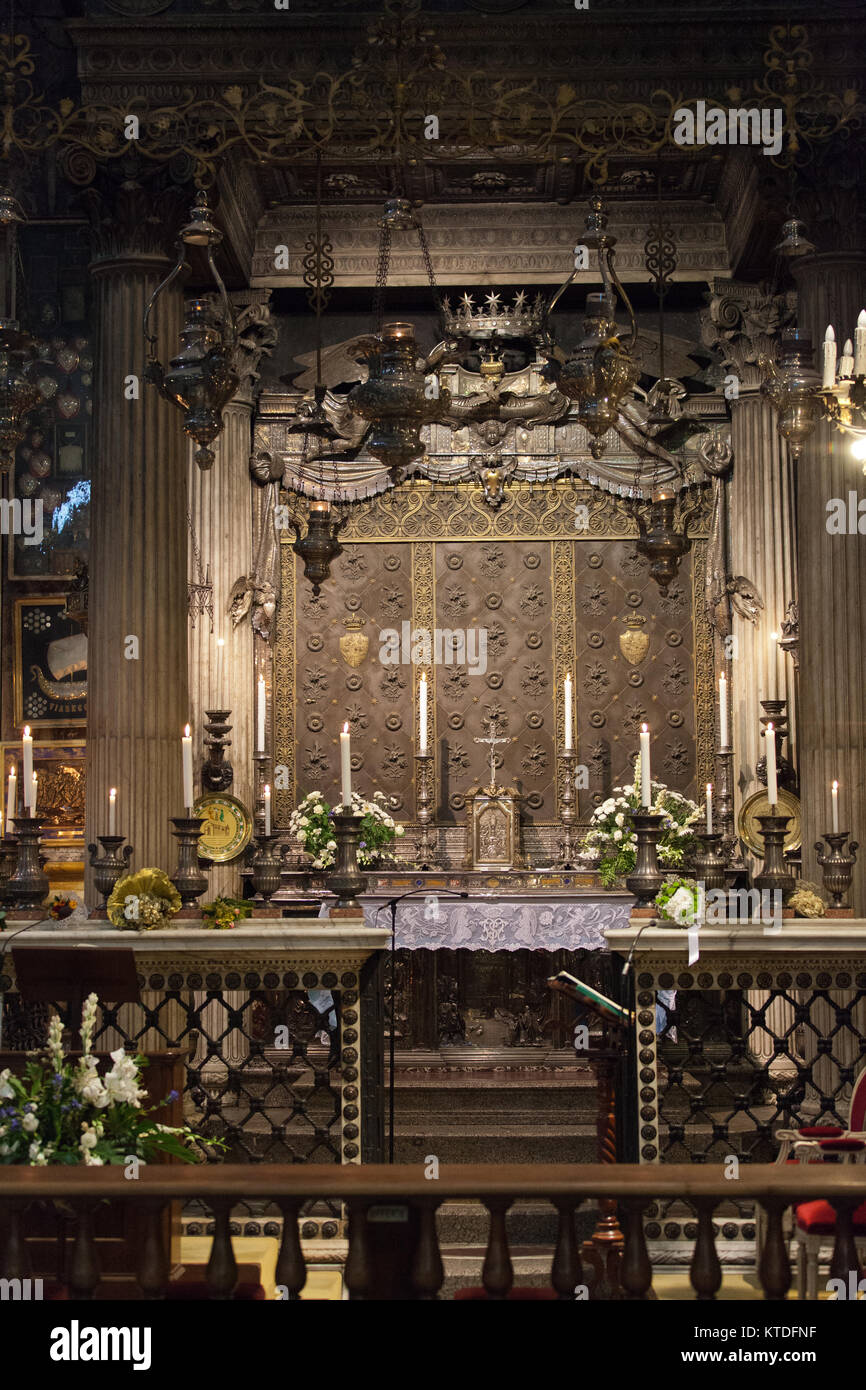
pixel 845 1257
pixel 774 1270
pixel 83 1266
pixel 566 1271
pixel 221 1275
pixel 428 1271
pixel 153 1265
pixel 497 1273
pixel 635 1271
pixel 706 1267
pixel 291 1269
pixel 14 1255
pixel 359 1262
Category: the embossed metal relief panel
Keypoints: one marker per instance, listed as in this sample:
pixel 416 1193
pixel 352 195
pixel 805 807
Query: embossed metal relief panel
pixel 634 663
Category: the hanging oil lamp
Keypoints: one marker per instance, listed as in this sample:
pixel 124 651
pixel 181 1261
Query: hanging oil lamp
pixel 19 393
pixel 319 546
pixel 395 398
pixel 658 538
pixel 201 378
pixel 792 385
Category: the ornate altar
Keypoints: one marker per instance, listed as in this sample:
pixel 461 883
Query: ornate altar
pixel 493 828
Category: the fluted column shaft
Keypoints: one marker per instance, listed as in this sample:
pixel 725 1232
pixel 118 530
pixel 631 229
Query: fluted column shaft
pixel 763 548
pixel 138 561
pixel 832 289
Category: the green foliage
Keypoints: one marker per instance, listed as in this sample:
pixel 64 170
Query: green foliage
pixel 224 913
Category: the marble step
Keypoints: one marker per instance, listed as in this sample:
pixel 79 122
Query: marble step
pixel 567 1099
pixel 463 1268
pixel 536 1143
pixel 527 1223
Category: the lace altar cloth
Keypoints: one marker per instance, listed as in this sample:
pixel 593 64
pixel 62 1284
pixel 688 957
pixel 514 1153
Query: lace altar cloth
pixel 436 923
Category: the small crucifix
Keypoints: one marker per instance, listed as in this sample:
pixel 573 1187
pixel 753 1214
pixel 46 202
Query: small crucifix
pixel 492 740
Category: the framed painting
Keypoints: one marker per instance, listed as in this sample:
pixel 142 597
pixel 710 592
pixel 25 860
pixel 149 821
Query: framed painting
pixel 50 665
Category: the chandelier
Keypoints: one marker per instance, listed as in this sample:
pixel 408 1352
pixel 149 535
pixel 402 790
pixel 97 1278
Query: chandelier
pixel 201 378
pixel 19 393
pixel 600 370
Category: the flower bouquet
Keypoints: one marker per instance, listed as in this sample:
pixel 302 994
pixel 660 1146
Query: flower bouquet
pixel 312 827
pixel 678 901
pixel 611 841
pixel 143 901
pixel 63 1111
pixel 60 907
pixel 224 913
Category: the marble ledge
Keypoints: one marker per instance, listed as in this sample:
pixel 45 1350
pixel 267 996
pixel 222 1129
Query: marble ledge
pixel 797 935
pixel 279 936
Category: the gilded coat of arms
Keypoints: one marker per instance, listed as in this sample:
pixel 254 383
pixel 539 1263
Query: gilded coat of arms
pixel 354 644
pixel 633 643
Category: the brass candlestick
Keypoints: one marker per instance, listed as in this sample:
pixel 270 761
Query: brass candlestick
pixel 710 864
pixel 426 846
pixel 266 867
pixel 261 781
pixel 645 880
pixel 774 874
pixel 567 847
pixel 8 860
pixel 28 885
pixel 776 713
pixel 837 867
pixel 345 880
pixel 188 879
pixel 112 866
pixel 217 772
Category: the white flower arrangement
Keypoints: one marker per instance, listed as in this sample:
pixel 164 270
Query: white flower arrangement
pixel 311 826
pixel 611 842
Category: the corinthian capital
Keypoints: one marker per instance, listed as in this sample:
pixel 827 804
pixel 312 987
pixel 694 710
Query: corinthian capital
pixel 257 334
pixel 743 321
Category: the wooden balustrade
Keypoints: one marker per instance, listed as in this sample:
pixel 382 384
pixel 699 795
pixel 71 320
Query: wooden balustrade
pixel 496 1186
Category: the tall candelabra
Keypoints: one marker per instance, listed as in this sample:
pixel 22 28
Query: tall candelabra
pixel 775 875
pixel 216 771
pixel 567 845
pixel 776 713
pixel 645 880
pixel 188 879
pixel 260 761
pixel 28 885
pixel 345 880
pixel 426 846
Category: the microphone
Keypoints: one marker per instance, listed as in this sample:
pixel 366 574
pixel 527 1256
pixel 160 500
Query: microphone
pixel 651 922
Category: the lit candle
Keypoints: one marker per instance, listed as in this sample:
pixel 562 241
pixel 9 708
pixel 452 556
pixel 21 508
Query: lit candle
pixel 645 779
pixel 346 768
pixel 422 713
pixel 569 730
pixel 267 809
pixel 27 767
pixel 261 706
pixel 11 799
pixel 846 361
pixel 829 358
pixel 34 794
pixel 772 785
pixel 112 811
pixel 723 710
pixel 186 742
pixel 834 806
pixel 860 345
pixel 709 808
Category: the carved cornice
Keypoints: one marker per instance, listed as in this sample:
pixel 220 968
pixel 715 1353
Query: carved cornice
pixel 257 335
pixel 742 322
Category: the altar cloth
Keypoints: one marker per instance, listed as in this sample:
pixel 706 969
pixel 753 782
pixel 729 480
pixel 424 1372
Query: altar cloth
pixel 436 923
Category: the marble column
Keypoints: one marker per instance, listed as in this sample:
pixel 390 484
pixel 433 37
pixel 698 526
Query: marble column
pixel 741 323
pixel 832 289
pixel 138 696
pixel 220 507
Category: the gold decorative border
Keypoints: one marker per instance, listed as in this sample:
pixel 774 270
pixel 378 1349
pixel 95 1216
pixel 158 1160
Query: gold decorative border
pixel 424 615
pixel 702 636
pixel 283 694
pixel 562 571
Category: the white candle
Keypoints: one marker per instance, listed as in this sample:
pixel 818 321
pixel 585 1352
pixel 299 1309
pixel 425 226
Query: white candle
pixel 11 799
pixel 569 701
pixel 829 358
pixel 27 767
pixel 772 785
pixel 422 713
pixel 186 742
pixel 346 768
pixel 112 811
pixel 34 794
pixel 645 779
pixel 846 361
pixel 834 804
pixel 723 710
pixel 267 809
pixel 860 345
pixel 709 808
pixel 261 707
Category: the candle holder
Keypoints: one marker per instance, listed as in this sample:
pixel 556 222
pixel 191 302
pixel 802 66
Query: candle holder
pixel 837 867
pixel 645 880
pixel 776 713
pixel 260 761
pixel 723 800
pixel 217 773
pixel 345 880
pixel 28 885
pixel 426 846
pixel 188 879
pixel 112 866
pixel 711 863
pixel 266 867
pixel 567 848
pixel 774 874
pixel 8 860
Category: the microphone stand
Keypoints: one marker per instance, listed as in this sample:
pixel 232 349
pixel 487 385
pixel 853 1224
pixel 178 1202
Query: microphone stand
pixel 391 904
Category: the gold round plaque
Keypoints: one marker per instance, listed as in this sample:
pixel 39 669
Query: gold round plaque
pixel 227 829
pixel 757 805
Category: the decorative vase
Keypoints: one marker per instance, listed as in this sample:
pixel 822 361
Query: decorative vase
pixel 113 865
pixel 266 867
pixel 837 867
